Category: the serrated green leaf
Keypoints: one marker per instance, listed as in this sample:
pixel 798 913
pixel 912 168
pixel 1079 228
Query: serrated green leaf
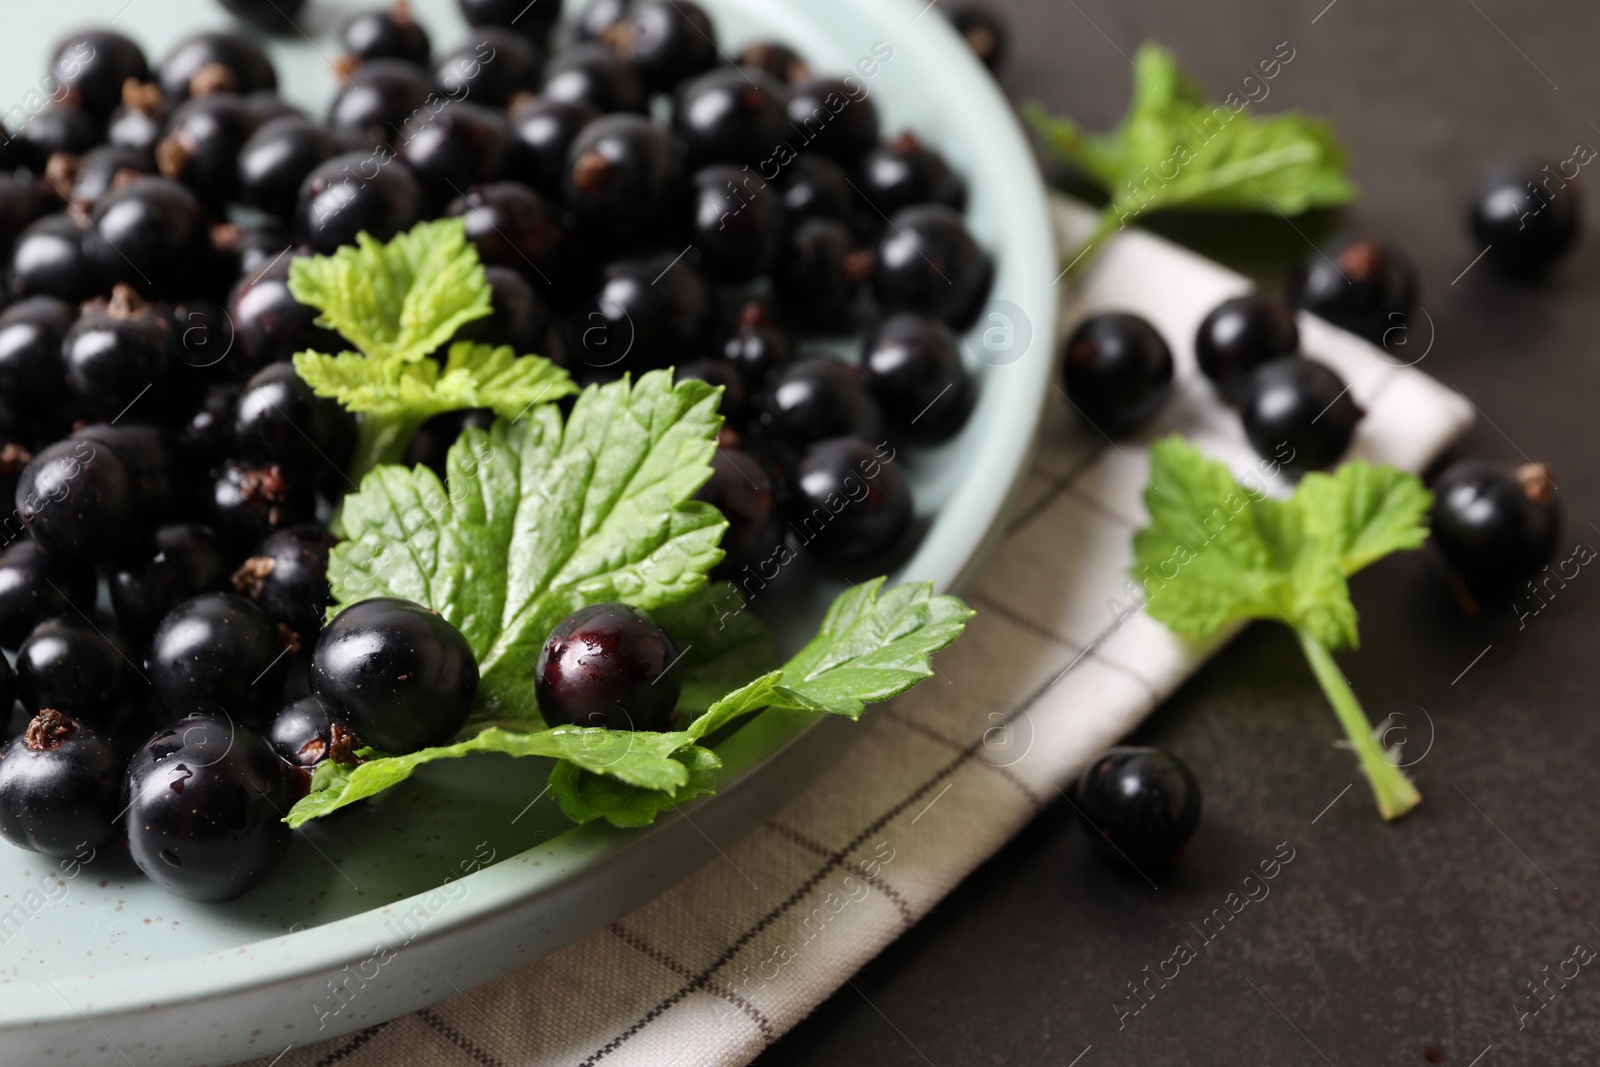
pixel 1364 512
pixel 585 796
pixel 542 518
pixel 401 300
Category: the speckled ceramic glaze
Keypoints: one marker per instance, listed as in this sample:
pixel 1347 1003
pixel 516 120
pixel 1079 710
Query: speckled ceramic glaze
pixel 468 872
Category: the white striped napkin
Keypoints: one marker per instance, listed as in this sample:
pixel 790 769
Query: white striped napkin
pixel 1057 665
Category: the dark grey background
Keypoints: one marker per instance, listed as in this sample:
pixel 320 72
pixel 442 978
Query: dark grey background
pixel 1380 944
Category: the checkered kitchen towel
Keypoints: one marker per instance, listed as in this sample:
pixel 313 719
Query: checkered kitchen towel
pixel 1050 672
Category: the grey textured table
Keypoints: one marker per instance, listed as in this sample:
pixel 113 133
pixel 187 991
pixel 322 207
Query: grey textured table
pixel 1379 944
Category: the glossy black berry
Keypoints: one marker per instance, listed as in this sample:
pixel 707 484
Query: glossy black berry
pixel 137 123
pixel 48 260
pixel 738 223
pixel 1299 413
pixel 30 353
pixel 981 26
pixel 1495 524
pixel 731 115
pixel 533 21
pixel 493 65
pixel 20 204
pixel 56 129
pixel 269 324
pixel 848 503
pixel 591 75
pixel 378 101
pixel 307 732
pixel 78 665
pixel 220 648
pixel 144 446
pixel 280 420
pixel 388 33
pixel 461 146
pixel 743 489
pixel 34 587
pixel 817 398
pixel 249 500
pixel 1140 804
pixel 519 319
pixel 906 172
pixel 398 674
pixel 911 365
pixel 598 17
pixel 60 787
pixel 1360 285
pixel 206 797
pixel 352 194
pixel 511 225
pixel 287 577
pixel 819 273
pixel 94 64
pixel 647 313
pixel 181 561
pixel 216 62
pixel 815 187
pixel 620 173
pixel 542 131
pixel 118 349
pixel 150 234
pixel 666 41
pixel 101 168
pixel 927 262
pixel 777 59
pixel 1528 216
pixel 275 161
pixel 1239 335
pixel 202 143
pixel 274 16
pixel 1117 371
pixel 835 117
pixel 609 665
pixel 80 501
pixel 757 348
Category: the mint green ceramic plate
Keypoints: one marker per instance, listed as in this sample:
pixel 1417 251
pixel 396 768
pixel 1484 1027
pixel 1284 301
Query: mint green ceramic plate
pixel 99 957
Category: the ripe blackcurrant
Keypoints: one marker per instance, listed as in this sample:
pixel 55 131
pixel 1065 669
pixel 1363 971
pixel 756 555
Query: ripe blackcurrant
pixel 609 665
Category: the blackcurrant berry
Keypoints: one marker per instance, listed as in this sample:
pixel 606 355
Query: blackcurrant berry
pixel 55 130
pixel 280 420
pixel 77 665
pixel 80 500
pixel 819 273
pixel 20 204
pixel 738 223
pixel 493 66
pixel 600 16
pixel 181 561
pixel 666 41
pixel 30 353
pixel 201 146
pixel 777 59
pixel 542 131
pixel 927 262
pixel 520 318
pixel 590 75
pixel 396 673
pixel 815 187
pixel 287 577
pixel 206 797
pixel 220 648
pixel 742 489
pixel 277 158
pixel 351 194
pixel 137 123
pixel 911 365
pixel 461 146
pixel 1241 334
pixel 834 118
pixel 609 665
pixel 1528 216
pixel 274 16
pixel 1299 413
pixel 212 62
pixel 381 102
pixel 731 115
pixel 1496 525
pixel 1117 370
pixel 510 224
pixel 48 260
pixel 648 311
pixel 148 450
pixel 60 786
pixel 848 502
pixel 34 587
pixel 1360 285
pixel 390 33
pixel 307 732
pixel 905 172
pixel 533 20
pixel 269 324
pixel 621 172
pixel 94 64
pixel 1139 804
pixel 100 169
pixel 248 501
pixel 757 348
pixel 150 234
pixel 116 350
pixel 818 398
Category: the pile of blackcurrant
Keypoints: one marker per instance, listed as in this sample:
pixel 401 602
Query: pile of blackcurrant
pixel 163 579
